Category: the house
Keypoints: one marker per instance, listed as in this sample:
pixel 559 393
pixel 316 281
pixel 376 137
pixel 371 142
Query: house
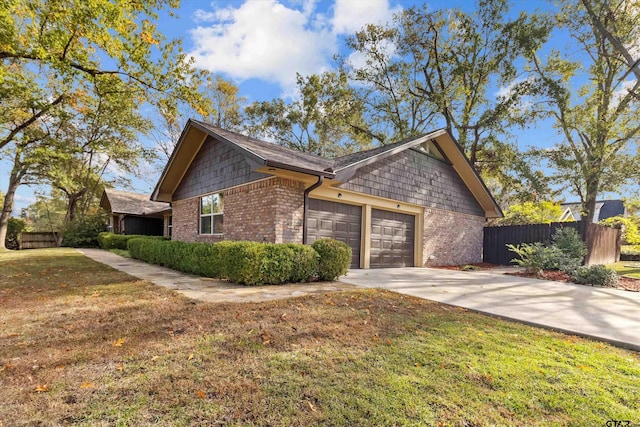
pixel 131 213
pixel 416 202
pixel 604 209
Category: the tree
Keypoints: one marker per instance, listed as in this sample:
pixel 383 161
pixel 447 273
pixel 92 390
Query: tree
pixel 531 213
pixel 53 50
pixel 599 120
pixel 221 106
pixel 437 67
pixel 327 118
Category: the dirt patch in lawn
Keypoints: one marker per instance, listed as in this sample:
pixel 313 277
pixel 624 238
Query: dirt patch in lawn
pixel 83 344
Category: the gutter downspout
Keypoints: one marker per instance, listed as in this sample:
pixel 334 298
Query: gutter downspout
pixel 306 207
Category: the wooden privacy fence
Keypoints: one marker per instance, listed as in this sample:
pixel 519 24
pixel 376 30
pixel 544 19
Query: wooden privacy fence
pixel 603 243
pixel 37 240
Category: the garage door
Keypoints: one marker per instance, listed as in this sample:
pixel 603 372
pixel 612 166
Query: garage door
pixel 392 236
pixel 338 221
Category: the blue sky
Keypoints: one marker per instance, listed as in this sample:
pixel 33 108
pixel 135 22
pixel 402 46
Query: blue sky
pixel 261 44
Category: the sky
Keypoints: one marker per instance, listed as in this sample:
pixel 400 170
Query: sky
pixel 261 44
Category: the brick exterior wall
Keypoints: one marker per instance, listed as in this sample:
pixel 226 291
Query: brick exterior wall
pixel 451 238
pixel 414 177
pixel 264 211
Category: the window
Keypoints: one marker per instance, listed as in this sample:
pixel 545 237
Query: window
pixel 211 214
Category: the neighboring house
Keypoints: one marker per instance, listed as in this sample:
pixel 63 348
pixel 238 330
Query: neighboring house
pixel 416 202
pixel 131 213
pixel 604 209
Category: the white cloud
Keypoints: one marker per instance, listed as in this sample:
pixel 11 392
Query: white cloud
pixel 350 16
pixel 624 89
pixel 266 40
pixel 271 41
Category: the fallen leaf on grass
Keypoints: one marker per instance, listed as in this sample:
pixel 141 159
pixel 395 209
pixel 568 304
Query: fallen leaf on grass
pixel 63 285
pixel 119 342
pixel 120 367
pixel 200 394
pixel 41 388
pixel 154 358
pixel 87 385
pixel 190 357
pixel 313 408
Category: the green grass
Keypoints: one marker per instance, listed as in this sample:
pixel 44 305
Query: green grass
pixel 623 269
pixel 121 252
pixel 366 357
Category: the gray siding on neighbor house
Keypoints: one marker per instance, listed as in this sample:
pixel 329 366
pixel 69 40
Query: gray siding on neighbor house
pixel 216 166
pixel 413 177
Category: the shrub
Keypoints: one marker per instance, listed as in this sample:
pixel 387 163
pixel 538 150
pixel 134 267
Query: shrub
pixel 572 247
pixel 83 232
pixel 248 263
pixel 109 240
pixel 335 258
pixel 15 227
pixel 595 275
pixel 536 257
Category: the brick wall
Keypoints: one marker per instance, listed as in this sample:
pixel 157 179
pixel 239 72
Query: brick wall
pixel 264 211
pixel 451 238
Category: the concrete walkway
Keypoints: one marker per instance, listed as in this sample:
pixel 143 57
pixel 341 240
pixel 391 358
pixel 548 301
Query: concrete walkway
pixel 206 289
pixel 610 315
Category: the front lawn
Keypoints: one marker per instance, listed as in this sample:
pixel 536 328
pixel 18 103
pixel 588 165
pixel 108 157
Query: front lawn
pixel 627 268
pixel 83 344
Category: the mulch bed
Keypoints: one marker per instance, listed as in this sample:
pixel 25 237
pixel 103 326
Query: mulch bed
pixel 626 283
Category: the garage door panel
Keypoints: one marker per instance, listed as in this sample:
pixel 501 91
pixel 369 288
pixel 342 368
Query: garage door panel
pixel 338 221
pixel 392 239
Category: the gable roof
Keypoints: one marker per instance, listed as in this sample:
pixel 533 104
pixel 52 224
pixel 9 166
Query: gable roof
pixel 604 208
pixel 123 202
pixel 264 154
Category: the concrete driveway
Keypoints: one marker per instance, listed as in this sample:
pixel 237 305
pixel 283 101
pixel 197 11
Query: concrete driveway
pixel 607 314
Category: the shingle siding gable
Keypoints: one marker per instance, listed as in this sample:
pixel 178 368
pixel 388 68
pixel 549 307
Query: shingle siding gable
pixel 216 166
pixel 416 178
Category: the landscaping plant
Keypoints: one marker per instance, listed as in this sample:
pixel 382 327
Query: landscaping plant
pixel 335 258
pixel 595 275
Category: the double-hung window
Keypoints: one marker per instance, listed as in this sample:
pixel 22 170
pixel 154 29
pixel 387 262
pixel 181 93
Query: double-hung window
pixel 211 218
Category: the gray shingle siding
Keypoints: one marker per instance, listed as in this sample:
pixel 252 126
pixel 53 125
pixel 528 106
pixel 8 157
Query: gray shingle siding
pixel 216 166
pixel 416 178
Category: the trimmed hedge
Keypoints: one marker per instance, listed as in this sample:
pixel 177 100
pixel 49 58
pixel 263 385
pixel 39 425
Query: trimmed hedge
pixel 335 258
pixel 109 240
pixel 247 263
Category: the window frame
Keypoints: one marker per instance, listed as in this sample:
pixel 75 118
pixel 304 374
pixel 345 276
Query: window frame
pixel 211 215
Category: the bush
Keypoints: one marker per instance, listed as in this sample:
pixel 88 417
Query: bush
pixel 536 257
pixel 247 263
pixel 109 240
pixel 335 258
pixel 15 227
pixel 595 275
pixel 83 232
pixel 566 253
pixel 572 247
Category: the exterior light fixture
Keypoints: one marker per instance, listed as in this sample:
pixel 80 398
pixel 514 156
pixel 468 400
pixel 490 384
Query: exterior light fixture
pixel 339 195
pixel 398 206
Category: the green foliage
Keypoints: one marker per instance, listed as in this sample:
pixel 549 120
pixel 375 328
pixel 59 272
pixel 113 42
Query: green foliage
pixel 469 268
pixel 572 247
pixel 327 119
pixel 595 275
pixel 83 232
pixel 335 258
pixel 247 263
pixel 14 228
pixel 536 257
pixel 108 240
pixel 531 213
pixel 566 253
pixel 593 103
pixel 629 227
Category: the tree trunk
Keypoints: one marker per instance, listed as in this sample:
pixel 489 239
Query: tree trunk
pixel 14 183
pixel 589 207
pixel 72 205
